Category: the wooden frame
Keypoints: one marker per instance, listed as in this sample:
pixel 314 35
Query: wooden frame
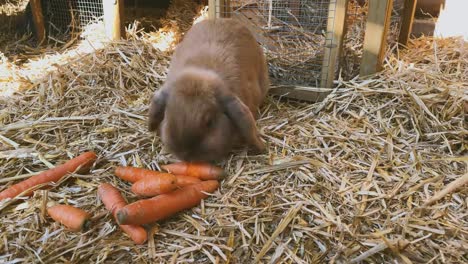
pixel 219 8
pixel 113 14
pixel 334 41
pixel 303 93
pixel 212 9
pixel 409 9
pixel 38 20
pixel 377 25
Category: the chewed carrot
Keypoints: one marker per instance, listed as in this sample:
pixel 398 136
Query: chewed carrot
pixel 201 170
pixel 133 174
pixel 165 205
pixel 183 180
pixel 82 162
pixel 73 218
pixel 113 201
pixel 155 184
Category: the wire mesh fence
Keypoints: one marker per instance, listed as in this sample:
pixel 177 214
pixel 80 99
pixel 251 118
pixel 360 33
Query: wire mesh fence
pixel 293 34
pixel 67 18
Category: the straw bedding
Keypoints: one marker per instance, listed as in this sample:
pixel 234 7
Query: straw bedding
pixel 344 180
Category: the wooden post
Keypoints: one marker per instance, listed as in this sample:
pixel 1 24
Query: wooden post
pixel 112 20
pixel 38 20
pixel 122 18
pixel 212 9
pixel 409 9
pixel 334 40
pixel 378 22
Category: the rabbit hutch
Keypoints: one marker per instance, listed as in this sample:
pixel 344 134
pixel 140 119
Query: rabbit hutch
pixel 307 42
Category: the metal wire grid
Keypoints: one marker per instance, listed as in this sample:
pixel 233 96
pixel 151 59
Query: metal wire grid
pixel 89 10
pixel 292 33
pixel 65 18
pixel 395 22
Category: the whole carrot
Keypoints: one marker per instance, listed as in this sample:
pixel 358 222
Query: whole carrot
pixel 201 170
pixel 165 205
pixel 78 164
pixel 113 201
pixel 183 180
pixel 73 218
pixel 154 185
pixel 133 174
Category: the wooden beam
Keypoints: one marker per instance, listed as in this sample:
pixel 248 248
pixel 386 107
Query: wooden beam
pixel 112 19
pixel 309 94
pixel 122 17
pixel 377 25
pixel 409 10
pixel 212 9
pixel 38 20
pixel 334 40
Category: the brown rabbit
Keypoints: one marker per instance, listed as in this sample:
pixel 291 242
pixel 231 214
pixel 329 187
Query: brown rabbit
pixel 217 79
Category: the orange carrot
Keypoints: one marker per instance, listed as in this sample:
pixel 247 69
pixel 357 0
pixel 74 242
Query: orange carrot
pixel 201 170
pixel 73 218
pixel 78 164
pixel 113 201
pixel 133 174
pixel 183 180
pixel 155 184
pixel 165 205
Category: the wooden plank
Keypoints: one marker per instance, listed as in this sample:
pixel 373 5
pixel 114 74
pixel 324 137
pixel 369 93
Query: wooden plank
pixel 334 40
pixel 409 10
pixel 112 20
pixel 122 17
pixel 38 20
pixel 212 9
pixel 309 94
pixel 377 25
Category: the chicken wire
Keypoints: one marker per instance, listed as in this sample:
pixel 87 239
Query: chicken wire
pixel 292 33
pixel 67 18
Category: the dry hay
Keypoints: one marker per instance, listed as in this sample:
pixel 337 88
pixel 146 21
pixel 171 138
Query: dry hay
pixel 297 58
pixel 12 20
pixel 353 39
pixel 344 179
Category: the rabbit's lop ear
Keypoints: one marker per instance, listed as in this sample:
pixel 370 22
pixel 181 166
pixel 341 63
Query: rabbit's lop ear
pixel 242 118
pixel 156 110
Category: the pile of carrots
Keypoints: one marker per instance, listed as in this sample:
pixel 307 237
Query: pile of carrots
pixel 183 186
